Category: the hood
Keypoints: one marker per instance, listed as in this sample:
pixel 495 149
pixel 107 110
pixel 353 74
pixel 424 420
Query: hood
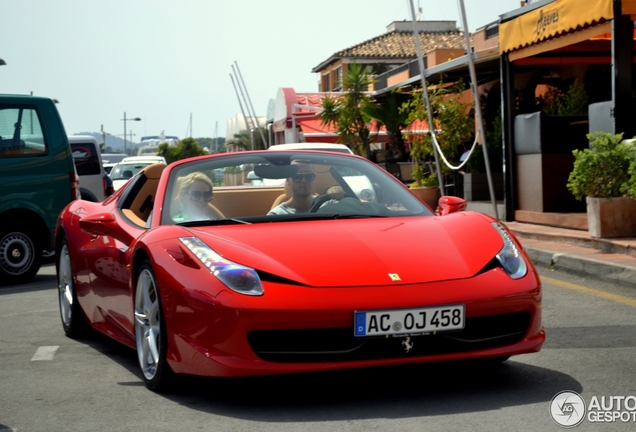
pixel 361 252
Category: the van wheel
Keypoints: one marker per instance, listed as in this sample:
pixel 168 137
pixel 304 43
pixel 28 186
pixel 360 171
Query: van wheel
pixel 20 254
pixel 87 195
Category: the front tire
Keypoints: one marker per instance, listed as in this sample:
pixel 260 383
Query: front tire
pixel 150 331
pixel 73 320
pixel 20 254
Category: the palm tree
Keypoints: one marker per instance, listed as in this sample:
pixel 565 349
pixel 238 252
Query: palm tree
pixel 388 112
pixel 243 141
pixel 345 111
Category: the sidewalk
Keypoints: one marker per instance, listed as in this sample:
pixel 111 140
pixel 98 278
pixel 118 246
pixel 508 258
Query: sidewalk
pixel 574 251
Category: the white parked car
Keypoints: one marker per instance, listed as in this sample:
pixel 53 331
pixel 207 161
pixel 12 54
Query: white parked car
pixel 95 185
pixel 128 167
pixel 109 160
pixel 147 158
pixel 340 148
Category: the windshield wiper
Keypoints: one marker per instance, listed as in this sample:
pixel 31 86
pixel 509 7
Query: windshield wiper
pixel 211 222
pixel 323 216
pixel 355 216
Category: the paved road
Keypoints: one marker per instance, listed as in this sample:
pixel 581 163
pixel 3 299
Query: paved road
pixel 51 383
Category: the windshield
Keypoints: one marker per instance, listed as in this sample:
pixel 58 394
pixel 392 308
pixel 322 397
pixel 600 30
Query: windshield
pixel 255 187
pixel 127 170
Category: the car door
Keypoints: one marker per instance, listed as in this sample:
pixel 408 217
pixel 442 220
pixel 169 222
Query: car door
pixel 108 259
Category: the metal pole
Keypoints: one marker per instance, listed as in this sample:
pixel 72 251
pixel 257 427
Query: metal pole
pixel 216 137
pixel 247 108
pixel 507 73
pixel 431 126
pixel 473 84
pixel 240 78
pixel 125 152
pixel 242 110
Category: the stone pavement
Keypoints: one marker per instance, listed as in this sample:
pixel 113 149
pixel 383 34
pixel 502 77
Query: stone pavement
pixel 574 251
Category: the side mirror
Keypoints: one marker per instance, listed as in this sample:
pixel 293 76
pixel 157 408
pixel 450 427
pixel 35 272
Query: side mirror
pixel 104 224
pixel 451 204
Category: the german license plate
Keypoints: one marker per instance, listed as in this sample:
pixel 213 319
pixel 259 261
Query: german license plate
pixel 409 321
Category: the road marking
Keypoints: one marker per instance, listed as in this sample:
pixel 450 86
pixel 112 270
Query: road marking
pixel 45 353
pixel 597 293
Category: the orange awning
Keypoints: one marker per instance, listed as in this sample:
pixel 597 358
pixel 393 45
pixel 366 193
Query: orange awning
pixel 315 131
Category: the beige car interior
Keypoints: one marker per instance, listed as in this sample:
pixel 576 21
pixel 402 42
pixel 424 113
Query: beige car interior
pixel 139 210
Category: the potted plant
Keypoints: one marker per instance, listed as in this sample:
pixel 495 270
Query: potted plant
pixel 455 125
pixel 425 186
pixel 601 175
pixel 573 102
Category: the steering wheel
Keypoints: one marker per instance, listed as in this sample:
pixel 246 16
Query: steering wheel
pixel 324 198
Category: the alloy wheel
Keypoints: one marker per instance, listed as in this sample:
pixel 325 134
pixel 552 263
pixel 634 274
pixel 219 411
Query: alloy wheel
pixel 147 323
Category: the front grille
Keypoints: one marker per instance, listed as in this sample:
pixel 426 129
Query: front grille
pixel 339 344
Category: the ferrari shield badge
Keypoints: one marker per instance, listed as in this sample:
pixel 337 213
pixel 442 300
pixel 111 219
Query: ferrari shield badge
pixel 394 277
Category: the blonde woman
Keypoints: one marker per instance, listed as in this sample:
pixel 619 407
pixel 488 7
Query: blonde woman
pixel 194 199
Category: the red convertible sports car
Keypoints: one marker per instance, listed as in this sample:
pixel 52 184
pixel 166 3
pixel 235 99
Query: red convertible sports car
pixel 331 263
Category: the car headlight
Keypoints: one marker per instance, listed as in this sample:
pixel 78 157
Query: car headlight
pixel 510 256
pixel 241 279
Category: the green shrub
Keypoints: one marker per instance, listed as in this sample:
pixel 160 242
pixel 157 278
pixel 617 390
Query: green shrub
pixel 603 170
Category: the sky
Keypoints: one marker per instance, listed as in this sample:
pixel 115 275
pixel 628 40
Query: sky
pixel 169 62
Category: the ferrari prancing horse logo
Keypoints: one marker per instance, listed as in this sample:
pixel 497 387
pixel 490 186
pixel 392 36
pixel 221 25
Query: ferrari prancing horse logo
pixel 408 345
pixel 394 277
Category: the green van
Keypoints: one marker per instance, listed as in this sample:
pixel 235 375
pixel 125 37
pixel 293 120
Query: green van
pixel 37 180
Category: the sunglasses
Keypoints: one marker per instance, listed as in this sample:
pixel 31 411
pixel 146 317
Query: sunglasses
pixel 310 176
pixel 197 195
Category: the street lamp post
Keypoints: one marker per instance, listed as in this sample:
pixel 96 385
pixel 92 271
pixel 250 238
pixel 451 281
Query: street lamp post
pixel 125 119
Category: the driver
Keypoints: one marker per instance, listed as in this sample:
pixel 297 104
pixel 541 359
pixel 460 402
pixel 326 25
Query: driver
pixel 302 186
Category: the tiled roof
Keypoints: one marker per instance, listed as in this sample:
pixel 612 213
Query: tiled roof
pixel 401 44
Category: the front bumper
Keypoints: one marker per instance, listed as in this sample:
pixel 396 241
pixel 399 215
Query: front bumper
pixel 299 329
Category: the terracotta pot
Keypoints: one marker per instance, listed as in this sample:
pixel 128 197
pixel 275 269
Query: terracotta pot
pixel 611 217
pixel 427 194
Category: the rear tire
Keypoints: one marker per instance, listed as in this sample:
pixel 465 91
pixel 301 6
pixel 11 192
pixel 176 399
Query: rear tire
pixel 71 313
pixel 88 195
pixel 150 332
pixel 20 254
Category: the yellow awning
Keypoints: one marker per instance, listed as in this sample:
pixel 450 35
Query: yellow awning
pixel 555 19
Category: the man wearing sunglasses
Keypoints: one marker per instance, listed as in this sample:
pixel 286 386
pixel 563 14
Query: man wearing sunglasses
pixel 302 186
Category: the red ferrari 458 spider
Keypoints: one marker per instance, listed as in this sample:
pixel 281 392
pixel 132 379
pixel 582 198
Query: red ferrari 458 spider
pixel 256 263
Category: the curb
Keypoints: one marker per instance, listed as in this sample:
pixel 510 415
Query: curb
pixel 600 244
pixel 586 267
